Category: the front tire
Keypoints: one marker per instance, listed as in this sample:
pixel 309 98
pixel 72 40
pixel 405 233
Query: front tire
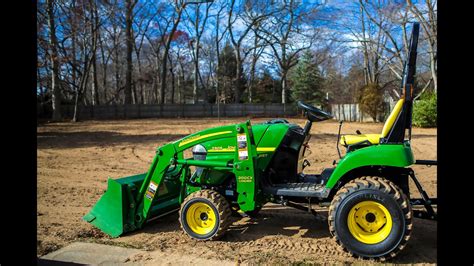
pixel 205 215
pixel 371 218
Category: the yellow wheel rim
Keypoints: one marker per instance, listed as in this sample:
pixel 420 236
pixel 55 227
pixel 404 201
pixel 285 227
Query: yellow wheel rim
pixel 201 218
pixel 369 222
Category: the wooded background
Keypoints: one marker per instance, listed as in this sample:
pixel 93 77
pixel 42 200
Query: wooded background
pixel 143 52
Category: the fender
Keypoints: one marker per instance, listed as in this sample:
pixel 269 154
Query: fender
pixel 396 155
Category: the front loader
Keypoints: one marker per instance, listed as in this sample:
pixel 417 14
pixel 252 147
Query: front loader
pixel 241 167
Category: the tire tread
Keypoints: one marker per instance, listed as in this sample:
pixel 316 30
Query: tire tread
pixel 219 202
pixel 377 183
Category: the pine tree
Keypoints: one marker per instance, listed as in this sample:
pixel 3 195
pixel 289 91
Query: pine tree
pixel 266 90
pixel 307 81
pixel 227 69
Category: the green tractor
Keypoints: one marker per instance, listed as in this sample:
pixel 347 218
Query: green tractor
pixel 242 167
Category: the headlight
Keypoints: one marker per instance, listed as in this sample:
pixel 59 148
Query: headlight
pixel 199 152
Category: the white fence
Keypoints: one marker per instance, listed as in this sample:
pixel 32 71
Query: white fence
pixel 351 112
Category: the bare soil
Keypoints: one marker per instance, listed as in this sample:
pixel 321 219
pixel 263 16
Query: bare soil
pixel 75 159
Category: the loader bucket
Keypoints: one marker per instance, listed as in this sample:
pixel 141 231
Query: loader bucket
pixel 115 212
pixel 111 211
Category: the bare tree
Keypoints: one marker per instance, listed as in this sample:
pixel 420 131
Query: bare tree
pixel 95 32
pixel 198 24
pixel 179 8
pixel 143 19
pixel 56 96
pixel 258 48
pixel 428 20
pixel 251 16
pixel 281 30
pixel 130 4
pixel 218 38
pixel 387 17
pixel 115 52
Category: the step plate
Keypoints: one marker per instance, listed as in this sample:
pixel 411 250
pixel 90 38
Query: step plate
pixel 297 190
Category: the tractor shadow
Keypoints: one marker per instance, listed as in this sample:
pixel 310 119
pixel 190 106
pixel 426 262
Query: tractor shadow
pixel 274 220
pixel 422 246
pixel 168 223
pixel 277 221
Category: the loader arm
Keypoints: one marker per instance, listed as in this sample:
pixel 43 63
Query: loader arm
pixel 168 155
pixel 131 201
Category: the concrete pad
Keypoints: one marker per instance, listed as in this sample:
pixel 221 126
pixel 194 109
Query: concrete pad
pixel 99 254
pixel 91 253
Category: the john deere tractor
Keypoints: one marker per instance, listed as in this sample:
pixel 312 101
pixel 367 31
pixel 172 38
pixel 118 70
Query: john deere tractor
pixel 242 167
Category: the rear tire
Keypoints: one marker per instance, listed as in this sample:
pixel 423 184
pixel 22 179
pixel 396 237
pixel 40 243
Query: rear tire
pixel 370 217
pixel 205 215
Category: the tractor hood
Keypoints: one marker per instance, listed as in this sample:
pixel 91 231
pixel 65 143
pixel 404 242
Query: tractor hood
pixel 267 137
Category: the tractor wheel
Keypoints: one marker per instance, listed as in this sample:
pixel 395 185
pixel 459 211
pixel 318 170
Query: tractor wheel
pixel 205 215
pixel 371 218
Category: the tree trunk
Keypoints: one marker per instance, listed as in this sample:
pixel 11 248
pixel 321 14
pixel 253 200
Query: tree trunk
pixel 156 90
pixel 73 51
pixel 196 57
pixel 434 72
pixel 141 94
pixel 166 52
pixel 238 74
pixel 94 33
pixel 283 86
pixel 179 87
pixel 364 50
pixel 252 69
pixel 172 80
pixel 56 95
pixel 116 66
pixel 104 68
pixel 196 73
pixel 129 40
pixel 218 55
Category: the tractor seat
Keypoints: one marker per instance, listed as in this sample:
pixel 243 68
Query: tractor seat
pixel 347 140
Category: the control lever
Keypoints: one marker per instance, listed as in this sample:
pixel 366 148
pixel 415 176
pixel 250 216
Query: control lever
pixel 338 138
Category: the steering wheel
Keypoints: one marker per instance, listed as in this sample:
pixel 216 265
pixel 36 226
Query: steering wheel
pixel 313 113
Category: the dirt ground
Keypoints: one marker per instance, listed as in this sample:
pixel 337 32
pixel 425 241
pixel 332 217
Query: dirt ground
pixel 75 159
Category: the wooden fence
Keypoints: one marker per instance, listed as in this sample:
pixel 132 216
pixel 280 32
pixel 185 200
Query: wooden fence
pixel 179 110
pixel 345 112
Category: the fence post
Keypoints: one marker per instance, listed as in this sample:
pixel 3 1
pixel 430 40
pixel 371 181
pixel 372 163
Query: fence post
pixel 339 111
pixel 350 112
